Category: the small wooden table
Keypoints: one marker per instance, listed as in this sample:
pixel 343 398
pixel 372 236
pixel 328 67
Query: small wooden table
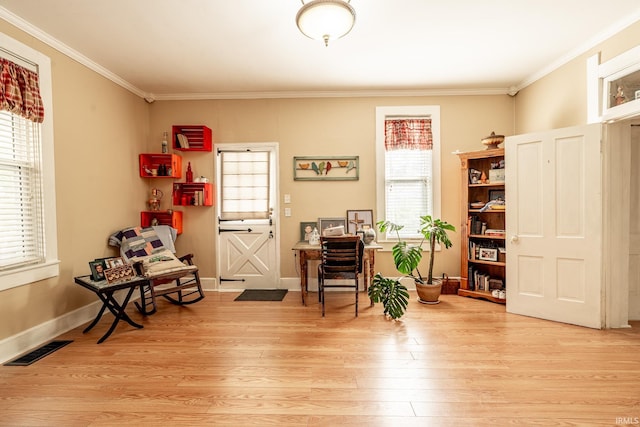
pixel 105 292
pixel 312 252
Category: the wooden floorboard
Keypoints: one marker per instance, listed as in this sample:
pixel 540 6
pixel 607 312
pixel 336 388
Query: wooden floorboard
pixel 463 362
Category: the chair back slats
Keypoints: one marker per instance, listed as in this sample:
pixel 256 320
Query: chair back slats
pixel 341 259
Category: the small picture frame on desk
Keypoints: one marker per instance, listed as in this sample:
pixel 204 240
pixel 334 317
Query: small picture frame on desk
pixel 305 230
pixel 97 270
pixel 359 220
pixel 331 223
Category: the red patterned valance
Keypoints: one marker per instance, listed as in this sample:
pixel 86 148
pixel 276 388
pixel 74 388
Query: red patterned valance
pixel 408 134
pixel 20 91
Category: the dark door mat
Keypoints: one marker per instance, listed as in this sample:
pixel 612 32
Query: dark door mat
pixel 38 353
pixel 262 295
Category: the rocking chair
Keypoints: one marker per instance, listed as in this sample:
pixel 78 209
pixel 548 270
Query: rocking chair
pixel 151 252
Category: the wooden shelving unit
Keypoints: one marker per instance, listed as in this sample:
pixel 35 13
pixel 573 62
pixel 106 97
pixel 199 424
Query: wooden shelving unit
pixel 192 194
pixel 151 162
pixel 173 219
pixel 474 271
pixel 199 137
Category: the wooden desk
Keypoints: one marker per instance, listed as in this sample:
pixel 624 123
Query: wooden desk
pixel 105 292
pixel 308 252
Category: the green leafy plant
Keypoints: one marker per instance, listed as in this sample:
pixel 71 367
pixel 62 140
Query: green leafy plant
pixel 391 293
pixel 407 257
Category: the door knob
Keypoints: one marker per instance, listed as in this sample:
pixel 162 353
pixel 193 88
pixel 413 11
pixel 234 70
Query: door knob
pixel 514 238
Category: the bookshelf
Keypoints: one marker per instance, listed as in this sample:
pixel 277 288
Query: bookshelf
pixel 483 256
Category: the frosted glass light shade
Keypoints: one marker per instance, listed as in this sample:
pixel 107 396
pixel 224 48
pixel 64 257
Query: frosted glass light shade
pixel 326 19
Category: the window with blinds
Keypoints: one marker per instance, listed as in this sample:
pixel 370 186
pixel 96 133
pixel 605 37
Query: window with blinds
pixel 408 188
pixel 21 211
pixel 28 229
pixel 244 186
pixel 408 166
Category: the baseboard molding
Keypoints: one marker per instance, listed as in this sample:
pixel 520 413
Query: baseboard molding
pixel 16 345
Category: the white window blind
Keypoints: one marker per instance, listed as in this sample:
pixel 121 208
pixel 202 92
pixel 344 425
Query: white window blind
pixel 21 207
pixel 408 188
pixel 244 185
pixel 408 166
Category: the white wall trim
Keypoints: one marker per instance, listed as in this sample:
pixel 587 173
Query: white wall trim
pixel 18 344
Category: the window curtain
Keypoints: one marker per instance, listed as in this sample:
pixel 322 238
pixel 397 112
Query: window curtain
pixel 20 91
pixel 408 134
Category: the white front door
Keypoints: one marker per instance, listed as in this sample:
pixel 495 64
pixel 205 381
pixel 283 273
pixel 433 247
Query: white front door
pixel 554 225
pixel 248 237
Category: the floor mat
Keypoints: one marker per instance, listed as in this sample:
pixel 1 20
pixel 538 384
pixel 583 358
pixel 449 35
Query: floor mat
pixel 262 295
pixel 38 353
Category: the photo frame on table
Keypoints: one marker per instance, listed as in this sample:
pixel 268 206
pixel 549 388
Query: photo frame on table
pixel 114 262
pixel 325 223
pixel 488 254
pixel 326 168
pixel 97 270
pixel 359 219
pixel 306 228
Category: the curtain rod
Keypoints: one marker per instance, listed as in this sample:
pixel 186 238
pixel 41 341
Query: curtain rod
pixel 25 62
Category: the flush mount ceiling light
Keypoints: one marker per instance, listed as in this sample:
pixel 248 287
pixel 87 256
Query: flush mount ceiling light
pixel 325 19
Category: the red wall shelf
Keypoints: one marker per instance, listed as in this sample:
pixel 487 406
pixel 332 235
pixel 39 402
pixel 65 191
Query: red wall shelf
pixel 192 194
pixel 199 137
pixel 150 161
pixel 173 219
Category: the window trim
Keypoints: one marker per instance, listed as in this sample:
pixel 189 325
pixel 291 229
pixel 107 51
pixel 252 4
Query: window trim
pixel 50 267
pixel 382 113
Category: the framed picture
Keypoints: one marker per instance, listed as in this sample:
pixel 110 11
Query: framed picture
pixel 496 195
pixel 97 270
pixel 359 219
pixel 326 168
pixel 488 254
pixel 114 262
pixel 305 230
pixel 330 223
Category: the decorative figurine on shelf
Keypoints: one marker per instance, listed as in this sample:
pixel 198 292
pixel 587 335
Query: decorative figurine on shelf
pixel 154 200
pixel 165 144
pixel 189 173
pixel 619 96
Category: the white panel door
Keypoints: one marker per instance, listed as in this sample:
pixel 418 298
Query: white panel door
pixel 634 227
pixel 248 233
pixel 554 225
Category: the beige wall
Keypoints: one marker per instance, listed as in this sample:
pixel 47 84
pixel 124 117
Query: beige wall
pixel 323 126
pixel 560 99
pixel 99 128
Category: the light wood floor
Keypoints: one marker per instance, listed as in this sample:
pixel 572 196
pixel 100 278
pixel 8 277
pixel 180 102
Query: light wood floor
pixel 463 362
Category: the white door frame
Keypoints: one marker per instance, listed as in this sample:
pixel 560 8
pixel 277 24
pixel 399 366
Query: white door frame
pixel 272 146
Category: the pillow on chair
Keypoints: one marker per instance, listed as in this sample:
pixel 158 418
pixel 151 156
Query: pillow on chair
pixel 163 262
pixel 138 242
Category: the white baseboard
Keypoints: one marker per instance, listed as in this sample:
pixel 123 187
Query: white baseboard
pixel 18 344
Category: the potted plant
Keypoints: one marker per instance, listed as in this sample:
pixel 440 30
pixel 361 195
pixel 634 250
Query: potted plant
pixel 407 257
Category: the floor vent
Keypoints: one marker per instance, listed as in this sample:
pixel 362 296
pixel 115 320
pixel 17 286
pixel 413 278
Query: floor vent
pixel 38 353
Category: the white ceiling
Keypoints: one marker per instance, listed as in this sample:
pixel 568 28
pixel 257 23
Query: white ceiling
pixel 168 49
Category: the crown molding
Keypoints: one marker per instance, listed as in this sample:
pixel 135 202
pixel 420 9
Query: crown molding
pixel 330 94
pixel 583 48
pixel 511 91
pixel 66 50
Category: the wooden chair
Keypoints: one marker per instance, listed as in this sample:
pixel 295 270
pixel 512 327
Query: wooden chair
pixel 151 251
pixel 341 259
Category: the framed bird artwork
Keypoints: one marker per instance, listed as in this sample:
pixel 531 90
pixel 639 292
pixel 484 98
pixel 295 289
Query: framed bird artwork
pixel 326 168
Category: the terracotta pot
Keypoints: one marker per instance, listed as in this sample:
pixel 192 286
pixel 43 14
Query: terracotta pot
pixel 429 294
